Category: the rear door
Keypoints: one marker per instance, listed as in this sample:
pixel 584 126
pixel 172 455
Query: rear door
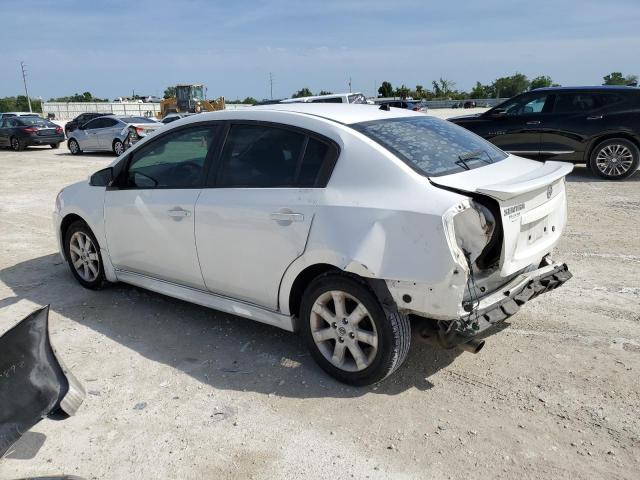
pixel 577 117
pixel 4 136
pixel 253 219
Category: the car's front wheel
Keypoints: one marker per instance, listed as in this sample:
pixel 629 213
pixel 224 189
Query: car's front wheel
pixel 118 147
pixel 74 148
pixel 83 256
pixel 349 333
pixel 615 159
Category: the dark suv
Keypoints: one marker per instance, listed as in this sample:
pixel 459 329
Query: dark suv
pixel 599 126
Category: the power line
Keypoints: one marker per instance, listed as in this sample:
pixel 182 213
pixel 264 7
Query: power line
pixel 271 84
pixel 24 80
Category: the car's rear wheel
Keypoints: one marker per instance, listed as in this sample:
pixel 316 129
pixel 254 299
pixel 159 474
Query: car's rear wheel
pixel 74 148
pixel 55 145
pixel 118 147
pixel 83 256
pixel 17 145
pixel 348 331
pixel 615 159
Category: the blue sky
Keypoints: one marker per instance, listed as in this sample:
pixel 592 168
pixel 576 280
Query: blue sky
pixel 113 47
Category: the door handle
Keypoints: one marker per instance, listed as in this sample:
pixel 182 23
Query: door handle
pixel 178 213
pixel 595 117
pixel 533 122
pixel 287 217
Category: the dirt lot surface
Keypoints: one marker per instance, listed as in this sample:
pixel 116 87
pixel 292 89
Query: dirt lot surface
pixel 177 391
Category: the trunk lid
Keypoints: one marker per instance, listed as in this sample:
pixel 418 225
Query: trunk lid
pixel 532 200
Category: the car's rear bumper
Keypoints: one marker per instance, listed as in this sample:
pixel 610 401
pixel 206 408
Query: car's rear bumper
pixel 43 140
pixel 501 304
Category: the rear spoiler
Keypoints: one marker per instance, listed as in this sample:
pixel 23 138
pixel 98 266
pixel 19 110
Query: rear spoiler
pixel 530 181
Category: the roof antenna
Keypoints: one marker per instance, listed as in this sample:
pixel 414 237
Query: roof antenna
pixel 385 107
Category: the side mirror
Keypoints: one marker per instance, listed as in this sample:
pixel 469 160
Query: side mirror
pixel 498 112
pixel 102 178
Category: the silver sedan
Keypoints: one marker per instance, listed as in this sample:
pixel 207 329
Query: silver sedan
pixel 110 133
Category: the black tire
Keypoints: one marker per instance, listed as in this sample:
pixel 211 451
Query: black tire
pixel 614 172
pixel 17 145
pixel 115 147
pixel 81 227
pixel 392 327
pixel 55 145
pixel 74 147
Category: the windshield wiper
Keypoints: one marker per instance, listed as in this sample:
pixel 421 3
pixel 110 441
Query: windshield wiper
pixel 474 155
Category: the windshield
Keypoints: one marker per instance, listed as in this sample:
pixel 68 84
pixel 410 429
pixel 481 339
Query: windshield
pixel 431 146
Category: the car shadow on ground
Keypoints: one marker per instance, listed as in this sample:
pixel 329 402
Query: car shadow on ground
pixel 582 174
pixel 219 349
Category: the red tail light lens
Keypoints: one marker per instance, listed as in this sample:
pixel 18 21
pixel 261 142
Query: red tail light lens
pixel 58 129
pixel 139 130
pixel 30 130
pixel 416 109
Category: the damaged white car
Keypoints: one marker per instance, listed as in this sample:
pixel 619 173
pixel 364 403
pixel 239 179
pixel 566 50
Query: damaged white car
pixel 342 222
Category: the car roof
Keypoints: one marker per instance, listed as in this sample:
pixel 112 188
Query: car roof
pixel 603 88
pixel 21 114
pixel 344 113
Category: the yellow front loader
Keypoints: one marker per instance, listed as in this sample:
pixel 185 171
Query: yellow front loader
pixel 190 98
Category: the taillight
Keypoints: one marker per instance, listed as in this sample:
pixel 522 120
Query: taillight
pixel 58 129
pixel 416 109
pixel 30 130
pixel 139 130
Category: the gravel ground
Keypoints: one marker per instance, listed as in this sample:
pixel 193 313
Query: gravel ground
pixel 180 391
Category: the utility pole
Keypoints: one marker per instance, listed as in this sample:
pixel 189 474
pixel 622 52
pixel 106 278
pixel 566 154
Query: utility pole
pixel 24 80
pixel 271 84
pixel 349 84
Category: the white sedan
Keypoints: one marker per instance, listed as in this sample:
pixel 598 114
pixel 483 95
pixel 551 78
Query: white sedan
pixel 337 221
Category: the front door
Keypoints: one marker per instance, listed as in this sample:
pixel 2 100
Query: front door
pixel 87 135
pixel 149 215
pixel 255 219
pixel 518 131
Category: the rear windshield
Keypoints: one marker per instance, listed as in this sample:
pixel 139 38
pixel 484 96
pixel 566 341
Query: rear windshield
pixel 137 120
pixel 357 98
pixel 431 146
pixel 36 121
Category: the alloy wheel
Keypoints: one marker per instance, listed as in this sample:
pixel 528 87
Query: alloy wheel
pixel 118 148
pixel 15 144
pixel 84 256
pixel 343 331
pixel 73 146
pixel 614 159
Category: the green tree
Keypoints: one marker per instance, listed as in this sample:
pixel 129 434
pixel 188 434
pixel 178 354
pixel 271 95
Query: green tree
pixel 385 90
pixel 541 82
pixel 303 92
pixel 616 78
pixel 402 91
pixel 510 86
pixel 480 91
pixel 443 88
pixel 419 93
pixel 249 101
pixel 169 92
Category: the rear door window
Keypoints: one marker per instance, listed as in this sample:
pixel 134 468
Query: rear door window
pixel 261 156
pixel 576 102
